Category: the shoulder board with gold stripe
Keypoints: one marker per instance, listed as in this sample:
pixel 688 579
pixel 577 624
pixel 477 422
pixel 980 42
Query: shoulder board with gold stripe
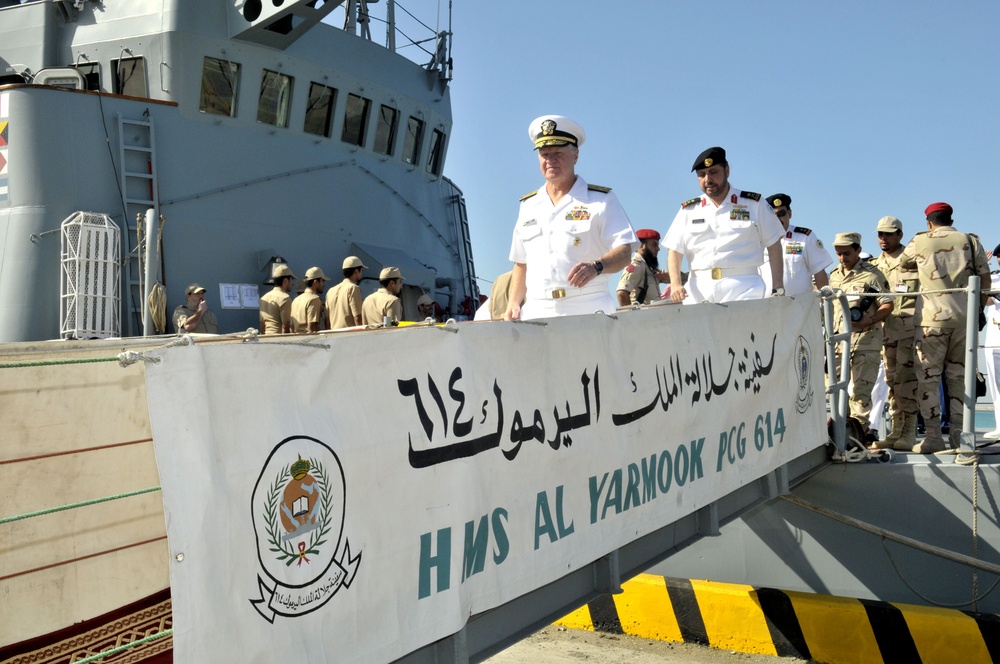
pixel 974 235
pixel 803 230
pixel 752 195
pixel 597 187
pixel 691 201
pixel 529 195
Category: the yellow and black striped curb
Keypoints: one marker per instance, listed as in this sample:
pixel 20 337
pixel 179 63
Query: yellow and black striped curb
pixel 822 628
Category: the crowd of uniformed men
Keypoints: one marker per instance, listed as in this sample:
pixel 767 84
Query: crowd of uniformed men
pixel 571 236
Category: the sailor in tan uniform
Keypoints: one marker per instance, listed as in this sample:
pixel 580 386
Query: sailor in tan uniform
pixel 569 236
pixel 640 281
pixel 864 286
pixel 723 234
pixel 194 315
pixel 384 304
pixel 944 257
pixel 343 301
pixel 496 304
pixel 804 258
pixel 897 337
pixel 425 308
pixel 276 304
pixel 307 308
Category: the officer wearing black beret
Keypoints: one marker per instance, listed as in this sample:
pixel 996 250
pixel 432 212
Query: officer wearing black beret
pixel 723 234
pixel 804 258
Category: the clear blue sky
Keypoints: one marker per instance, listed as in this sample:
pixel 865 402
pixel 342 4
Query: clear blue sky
pixel 855 109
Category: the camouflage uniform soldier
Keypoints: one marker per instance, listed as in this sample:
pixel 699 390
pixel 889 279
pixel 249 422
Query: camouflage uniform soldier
pixel 897 332
pixel 640 281
pixel 944 258
pixel 862 283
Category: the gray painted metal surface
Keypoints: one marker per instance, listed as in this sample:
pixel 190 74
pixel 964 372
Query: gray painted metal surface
pixel 233 191
pixel 928 498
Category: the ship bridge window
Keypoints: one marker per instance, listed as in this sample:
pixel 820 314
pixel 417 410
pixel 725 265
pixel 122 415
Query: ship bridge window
pixel 385 132
pixel 356 120
pixel 319 111
pixel 414 135
pixel 435 158
pixel 91 72
pixel 129 77
pixel 220 81
pixel 275 97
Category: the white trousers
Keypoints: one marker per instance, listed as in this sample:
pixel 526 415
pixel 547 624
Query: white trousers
pixel 726 289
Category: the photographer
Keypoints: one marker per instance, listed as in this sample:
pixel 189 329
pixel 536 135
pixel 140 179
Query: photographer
pixel 863 284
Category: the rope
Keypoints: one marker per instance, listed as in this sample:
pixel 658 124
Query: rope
pixel 158 307
pixel 129 357
pixel 928 600
pixel 49 363
pixel 85 503
pixel 959 558
pixel 856 452
pixel 123 648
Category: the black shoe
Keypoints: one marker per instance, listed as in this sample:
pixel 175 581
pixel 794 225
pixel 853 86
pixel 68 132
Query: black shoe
pixel 945 428
pixel 921 429
pixel 871 437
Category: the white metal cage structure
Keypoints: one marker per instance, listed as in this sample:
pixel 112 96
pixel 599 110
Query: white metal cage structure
pixel 89 284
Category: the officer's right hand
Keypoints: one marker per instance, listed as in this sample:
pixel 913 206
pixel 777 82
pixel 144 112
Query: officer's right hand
pixel 678 294
pixel 513 312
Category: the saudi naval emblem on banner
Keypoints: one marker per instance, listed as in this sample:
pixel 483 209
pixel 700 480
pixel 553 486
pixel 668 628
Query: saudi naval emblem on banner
pixel 298 509
pixel 803 371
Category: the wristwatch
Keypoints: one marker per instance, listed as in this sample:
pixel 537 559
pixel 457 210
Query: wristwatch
pixel 777 291
pixel 599 266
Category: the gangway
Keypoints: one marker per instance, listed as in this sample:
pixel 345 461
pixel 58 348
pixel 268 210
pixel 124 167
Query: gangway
pixel 515 472
pixel 489 632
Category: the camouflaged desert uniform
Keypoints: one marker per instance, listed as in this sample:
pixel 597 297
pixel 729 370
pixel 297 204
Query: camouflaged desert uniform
pixel 898 332
pixel 944 258
pixel 639 279
pixel 866 345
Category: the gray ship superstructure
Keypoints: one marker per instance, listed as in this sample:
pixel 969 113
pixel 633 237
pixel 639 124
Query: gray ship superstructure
pixel 254 131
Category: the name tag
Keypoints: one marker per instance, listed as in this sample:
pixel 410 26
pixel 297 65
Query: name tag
pixel 530 222
pixel 901 288
pixel 697 221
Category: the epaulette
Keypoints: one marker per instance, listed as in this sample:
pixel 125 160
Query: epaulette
pixel 527 196
pixel 691 201
pixel 752 195
pixel 974 235
pixel 921 233
pixel 597 187
pixel 803 230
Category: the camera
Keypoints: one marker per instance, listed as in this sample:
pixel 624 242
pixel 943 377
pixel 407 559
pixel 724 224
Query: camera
pixel 859 310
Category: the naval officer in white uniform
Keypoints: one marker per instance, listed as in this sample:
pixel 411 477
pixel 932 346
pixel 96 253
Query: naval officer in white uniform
pixel 804 257
pixel 723 235
pixel 992 344
pixel 569 236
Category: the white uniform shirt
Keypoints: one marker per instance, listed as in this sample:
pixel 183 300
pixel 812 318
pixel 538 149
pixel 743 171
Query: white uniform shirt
pixel 550 239
pixel 734 235
pixel 993 320
pixel 803 255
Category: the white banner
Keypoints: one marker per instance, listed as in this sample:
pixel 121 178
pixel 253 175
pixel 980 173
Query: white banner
pixel 356 502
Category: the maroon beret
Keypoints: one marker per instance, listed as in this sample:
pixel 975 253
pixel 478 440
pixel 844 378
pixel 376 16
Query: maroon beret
pixel 938 207
pixel 647 234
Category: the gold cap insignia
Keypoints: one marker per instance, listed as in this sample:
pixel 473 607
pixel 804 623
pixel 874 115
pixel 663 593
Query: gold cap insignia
pixel 709 162
pixel 777 202
pixel 548 127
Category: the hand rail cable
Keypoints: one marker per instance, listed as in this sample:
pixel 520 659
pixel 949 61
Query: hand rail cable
pixel 84 503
